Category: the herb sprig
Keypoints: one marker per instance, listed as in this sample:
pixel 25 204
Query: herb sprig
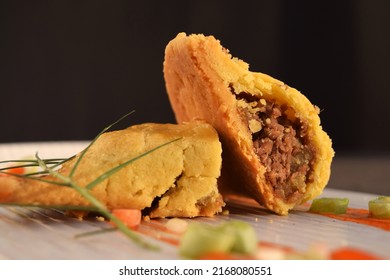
pixel 50 167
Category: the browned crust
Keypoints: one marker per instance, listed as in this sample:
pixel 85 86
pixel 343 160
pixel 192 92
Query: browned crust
pixel 199 74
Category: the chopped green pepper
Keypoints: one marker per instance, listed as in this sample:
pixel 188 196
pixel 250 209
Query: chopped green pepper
pixel 329 205
pixel 245 236
pixel 380 207
pixel 233 236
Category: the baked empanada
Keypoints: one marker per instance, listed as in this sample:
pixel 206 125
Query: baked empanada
pixel 273 144
pixel 176 180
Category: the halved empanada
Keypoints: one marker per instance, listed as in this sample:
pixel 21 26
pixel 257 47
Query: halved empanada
pixel 273 144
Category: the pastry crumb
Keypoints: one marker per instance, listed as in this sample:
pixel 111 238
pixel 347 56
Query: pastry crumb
pixel 100 218
pixel 146 218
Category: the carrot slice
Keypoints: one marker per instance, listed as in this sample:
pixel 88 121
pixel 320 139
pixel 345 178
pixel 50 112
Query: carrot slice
pixel 130 217
pixel 351 254
pixel 14 170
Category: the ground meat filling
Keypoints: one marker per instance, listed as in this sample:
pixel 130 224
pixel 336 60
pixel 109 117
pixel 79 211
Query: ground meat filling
pixel 281 145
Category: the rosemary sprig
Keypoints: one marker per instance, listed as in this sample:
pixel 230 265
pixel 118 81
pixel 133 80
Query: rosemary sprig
pixel 49 166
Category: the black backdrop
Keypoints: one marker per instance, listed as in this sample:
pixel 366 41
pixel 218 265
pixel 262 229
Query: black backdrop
pixel 69 68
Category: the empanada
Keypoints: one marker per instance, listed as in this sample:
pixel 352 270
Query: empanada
pixel 273 144
pixel 176 180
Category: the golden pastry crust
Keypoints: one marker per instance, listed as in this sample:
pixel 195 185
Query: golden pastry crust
pixel 204 82
pixel 181 177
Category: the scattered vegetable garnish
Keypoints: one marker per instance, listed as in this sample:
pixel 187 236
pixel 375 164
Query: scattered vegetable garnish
pixel 329 205
pixel 176 225
pixel 269 253
pixel 380 207
pixel 49 166
pixel 351 254
pixel 201 239
pixel 229 237
pixel 245 237
pixel 16 170
pixel 130 217
pixel 28 166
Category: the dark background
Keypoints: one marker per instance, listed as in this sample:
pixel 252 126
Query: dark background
pixel 69 68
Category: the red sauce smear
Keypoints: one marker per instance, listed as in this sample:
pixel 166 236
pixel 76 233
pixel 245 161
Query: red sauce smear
pixel 360 216
pixel 159 232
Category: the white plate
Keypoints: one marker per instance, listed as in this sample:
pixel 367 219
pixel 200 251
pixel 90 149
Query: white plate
pixel 38 234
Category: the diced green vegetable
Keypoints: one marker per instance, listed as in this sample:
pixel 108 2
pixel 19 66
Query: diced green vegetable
pixel 245 237
pixel 380 207
pixel 232 236
pixel 200 239
pixel 329 205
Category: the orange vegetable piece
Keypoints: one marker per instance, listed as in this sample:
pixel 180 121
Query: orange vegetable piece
pixel 130 217
pixel 351 254
pixel 14 170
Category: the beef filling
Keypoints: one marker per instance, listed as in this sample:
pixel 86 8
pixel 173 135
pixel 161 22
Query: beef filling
pixel 281 145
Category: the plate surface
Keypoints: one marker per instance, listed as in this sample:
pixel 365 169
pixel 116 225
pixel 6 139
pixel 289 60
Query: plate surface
pixel 48 234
